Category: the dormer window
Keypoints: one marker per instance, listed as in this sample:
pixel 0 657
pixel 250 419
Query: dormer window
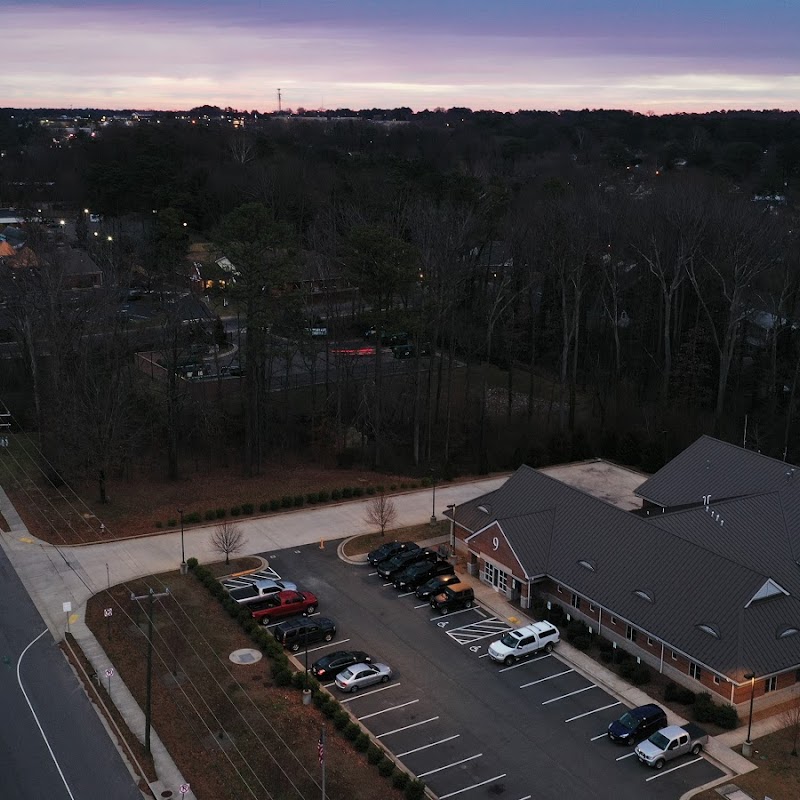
pixel 645 594
pixel 587 564
pixel 711 630
pixel 769 589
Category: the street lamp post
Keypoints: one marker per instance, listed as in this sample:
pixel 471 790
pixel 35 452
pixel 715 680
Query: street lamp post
pixel 452 508
pixel 184 567
pixel 433 504
pixel 747 747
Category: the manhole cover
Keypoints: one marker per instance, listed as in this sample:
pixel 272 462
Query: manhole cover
pixel 245 656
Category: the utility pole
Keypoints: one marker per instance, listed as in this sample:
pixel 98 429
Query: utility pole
pixel 150 596
pixel 279 101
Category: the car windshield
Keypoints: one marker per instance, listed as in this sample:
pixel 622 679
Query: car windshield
pixel 659 740
pixel 508 640
pixel 628 721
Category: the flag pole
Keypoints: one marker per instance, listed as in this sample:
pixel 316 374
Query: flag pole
pixel 322 758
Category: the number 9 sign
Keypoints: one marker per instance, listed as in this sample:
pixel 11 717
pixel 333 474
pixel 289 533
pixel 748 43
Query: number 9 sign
pixel 495 542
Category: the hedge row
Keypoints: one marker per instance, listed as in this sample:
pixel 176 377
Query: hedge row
pixel 284 675
pixel 290 501
pixel 704 709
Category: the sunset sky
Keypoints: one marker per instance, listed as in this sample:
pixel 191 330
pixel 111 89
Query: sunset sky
pixel 643 55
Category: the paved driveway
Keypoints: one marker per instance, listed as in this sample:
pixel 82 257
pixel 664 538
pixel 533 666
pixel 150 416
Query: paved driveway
pixel 468 727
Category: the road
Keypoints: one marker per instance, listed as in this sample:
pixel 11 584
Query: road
pixel 52 743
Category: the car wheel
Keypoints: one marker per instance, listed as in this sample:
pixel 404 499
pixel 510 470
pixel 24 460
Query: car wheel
pixel 328 637
pixel 310 610
pixel 468 604
pixel 509 661
pixel 295 647
pixel 353 689
pixel 265 621
pixel 442 611
pixel 385 679
pixel 630 741
pixel 696 749
pixel 659 764
pixel 548 648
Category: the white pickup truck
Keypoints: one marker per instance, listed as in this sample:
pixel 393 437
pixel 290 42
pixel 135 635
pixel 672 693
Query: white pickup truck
pixel 671 742
pixel 523 642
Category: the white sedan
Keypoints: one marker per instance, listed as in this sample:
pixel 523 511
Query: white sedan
pixel 353 678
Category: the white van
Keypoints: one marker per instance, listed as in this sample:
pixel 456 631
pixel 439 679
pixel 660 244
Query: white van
pixel 523 642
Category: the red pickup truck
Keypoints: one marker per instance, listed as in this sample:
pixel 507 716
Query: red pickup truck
pixel 284 604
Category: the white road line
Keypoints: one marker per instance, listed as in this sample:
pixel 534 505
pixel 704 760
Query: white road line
pixel 36 719
pixel 667 771
pixel 568 694
pixel 627 755
pixel 485 655
pixel 328 685
pixel 405 594
pixel 474 786
pixel 523 663
pixel 426 746
pixel 367 694
pixel 548 678
pixel 422 606
pixel 447 766
pixel 407 727
pixel 453 614
pixel 322 646
pixel 469 639
pixel 372 574
pixel 599 736
pixel 388 584
pixel 527 797
pixel 477 608
pixel 593 711
pixel 391 708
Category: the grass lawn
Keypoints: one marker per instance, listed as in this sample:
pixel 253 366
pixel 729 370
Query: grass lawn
pixel 414 533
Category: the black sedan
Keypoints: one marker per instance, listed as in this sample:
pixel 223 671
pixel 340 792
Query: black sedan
pixel 334 663
pixel 435 585
pixel 417 574
pixel 389 550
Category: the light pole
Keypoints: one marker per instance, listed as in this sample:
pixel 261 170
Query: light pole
pixel 452 508
pixel 747 747
pixel 184 567
pixel 433 504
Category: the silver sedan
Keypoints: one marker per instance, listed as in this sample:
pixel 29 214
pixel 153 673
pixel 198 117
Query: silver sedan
pixel 353 678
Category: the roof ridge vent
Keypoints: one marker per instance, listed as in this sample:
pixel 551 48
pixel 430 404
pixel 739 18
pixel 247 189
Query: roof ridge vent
pixel 769 588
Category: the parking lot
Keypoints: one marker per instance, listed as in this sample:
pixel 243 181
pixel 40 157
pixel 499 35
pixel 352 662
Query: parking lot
pixel 468 727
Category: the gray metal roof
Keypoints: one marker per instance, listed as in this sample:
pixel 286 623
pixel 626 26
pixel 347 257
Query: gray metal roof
pixel 699 566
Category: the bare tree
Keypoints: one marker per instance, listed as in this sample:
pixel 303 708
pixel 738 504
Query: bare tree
pixel 381 511
pixel 228 538
pixel 790 718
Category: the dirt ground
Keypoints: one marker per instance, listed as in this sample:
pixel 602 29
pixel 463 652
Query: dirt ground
pixel 230 729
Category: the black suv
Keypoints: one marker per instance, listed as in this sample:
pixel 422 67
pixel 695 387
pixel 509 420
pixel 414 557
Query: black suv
pixel 422 571
pixel 391 568
pixel 389 550
pixel 435 586
pixel 637 724
pixel 297 633
pixel 457 595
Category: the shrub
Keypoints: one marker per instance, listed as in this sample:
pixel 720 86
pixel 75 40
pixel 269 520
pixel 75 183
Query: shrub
pixel 193 518
pixel 358 491
pixel 361 742
pixel 192 563
pixel 283 677
pixel 311 498
pixel 370 490
pixel 347 492
pixel 159 524
pixel 247 508
pixel 607 657
pixel 374 754
pixel 274 505
pixel 171 523
pixel 604 646
pixel 583 642
pixel 385 767
pixel 341 719
pixel 235 511
pixel 324 497
pixel 210 514
pixel 400 779
pixel 336 494
pixel 415 790
pixel 393 488
pixel 627 668
pixel 703 708
pixel 244 616
pixel 403 485
pixel 426 482
pixel 379 488
pixel 352 731
pixel 575 628
pixel 231 606
pixel 286 501
pixel 298 500
pixel 221 513
pixel 678 694
pixel 726 717
pixel 641 676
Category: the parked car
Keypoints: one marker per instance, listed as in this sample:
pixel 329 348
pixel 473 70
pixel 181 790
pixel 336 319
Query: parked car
pixel 524 642
pixel 234 369
pixel 671 742
pixel 455 596
pixel 410 351
pixel 388 550
pixel 637 724
pixel 435 586
pixel 359 675
pixel 284 604
pixel 260 589
pixel 393 339
pixel 297 633
pixel 420 572
pixel 389 569
pixel 334 663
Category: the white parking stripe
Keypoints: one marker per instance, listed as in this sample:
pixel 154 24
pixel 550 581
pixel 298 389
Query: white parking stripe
pixel 322 646
pixel 328 685
pixel 593 711
pixel 627 755
pixel 667 771
pixel 367 694
pixel 599 736
pixel 474 786
pixel 452 614
pixel 388 584
pixel 405 594
pixel 447 766
pixel 568 694
pixel 423 605
pixel 527 797
pixel 548 678
pixel 426 746
pixel 485 655
pixel 523 663
pixel 407 727
pixel 372 574
pixel 391 708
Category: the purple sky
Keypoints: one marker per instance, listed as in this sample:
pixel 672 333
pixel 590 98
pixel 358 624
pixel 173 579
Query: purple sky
pixel 645 55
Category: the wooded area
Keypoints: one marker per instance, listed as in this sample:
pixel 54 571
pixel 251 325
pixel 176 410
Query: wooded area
pixel 590 283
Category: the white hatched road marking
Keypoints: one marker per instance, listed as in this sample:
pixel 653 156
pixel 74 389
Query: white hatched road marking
pixel 593 711
pixel 474 786
pixel 454 613
pixel 391 708
pixel 407 727
pixel 448 766
pixel 526 661
pixel 467 634
pixel 667 771
pixel 548 678
pixel 568 694
pixel 367 694
pixel 426 746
